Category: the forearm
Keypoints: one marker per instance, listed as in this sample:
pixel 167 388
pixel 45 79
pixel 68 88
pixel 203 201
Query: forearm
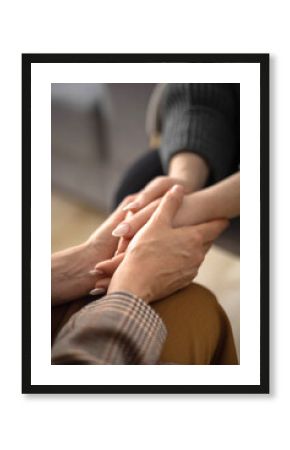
pixel 117 329
pixel 200 118
pixel 190 168
pixel 221 200
pixel 70 273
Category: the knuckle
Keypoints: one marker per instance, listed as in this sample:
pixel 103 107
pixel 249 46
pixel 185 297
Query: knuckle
pixel 129 198
pixel 152 184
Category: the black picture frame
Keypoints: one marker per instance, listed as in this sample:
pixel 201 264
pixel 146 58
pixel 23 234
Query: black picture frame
pixel 263 60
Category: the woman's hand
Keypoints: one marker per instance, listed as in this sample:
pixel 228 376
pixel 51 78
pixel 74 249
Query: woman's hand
pixel 132 224
pixel 72 270
pixel 155 190
pixel 195 209
pixel 222 200
pixel 161 259
pixel 185 169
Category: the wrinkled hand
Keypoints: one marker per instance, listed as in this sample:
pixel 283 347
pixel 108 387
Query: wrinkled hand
pixel 103 240
pixel 133 222
pixel 72 270
pixel 147 201
pixel 160 259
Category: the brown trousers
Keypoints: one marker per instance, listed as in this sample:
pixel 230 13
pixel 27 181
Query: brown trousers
pixel 199 331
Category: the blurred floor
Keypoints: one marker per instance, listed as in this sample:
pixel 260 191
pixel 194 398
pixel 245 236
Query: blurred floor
pixel 72 222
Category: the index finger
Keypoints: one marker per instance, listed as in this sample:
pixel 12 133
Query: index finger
pixel 154 190
pixel 131 226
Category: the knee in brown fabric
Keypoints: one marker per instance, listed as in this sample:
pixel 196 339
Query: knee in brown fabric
pixel 198 329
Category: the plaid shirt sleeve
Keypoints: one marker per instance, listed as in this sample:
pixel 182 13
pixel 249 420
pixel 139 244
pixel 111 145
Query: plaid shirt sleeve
pixel 119 328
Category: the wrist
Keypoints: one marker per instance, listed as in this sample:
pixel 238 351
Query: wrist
pixel 131 283
pixel 190 168
pixel 196 208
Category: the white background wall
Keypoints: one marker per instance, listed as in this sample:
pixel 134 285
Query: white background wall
pixel 107 422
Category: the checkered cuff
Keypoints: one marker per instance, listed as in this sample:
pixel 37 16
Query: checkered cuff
pixel 120 328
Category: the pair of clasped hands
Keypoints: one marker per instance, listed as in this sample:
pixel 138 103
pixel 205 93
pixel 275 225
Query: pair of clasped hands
pixel 143 247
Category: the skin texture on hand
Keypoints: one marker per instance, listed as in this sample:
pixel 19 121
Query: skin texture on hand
pixel 161 259
pixel 70 268
pixel 185 169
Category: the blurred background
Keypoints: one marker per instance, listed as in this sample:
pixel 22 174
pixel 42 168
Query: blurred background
pixel 97 131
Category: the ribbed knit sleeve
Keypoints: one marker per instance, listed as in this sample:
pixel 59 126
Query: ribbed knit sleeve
pixel 202 118
pixel 120 328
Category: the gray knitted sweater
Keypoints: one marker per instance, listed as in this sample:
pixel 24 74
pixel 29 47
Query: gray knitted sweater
pixel 203 118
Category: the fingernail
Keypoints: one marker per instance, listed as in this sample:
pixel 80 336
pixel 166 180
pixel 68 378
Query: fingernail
pixel 121 230
pixel 96 272
pixel 132 205
pixel 97 291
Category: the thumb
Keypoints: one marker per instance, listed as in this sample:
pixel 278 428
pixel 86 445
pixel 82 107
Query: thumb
pixel 169 205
